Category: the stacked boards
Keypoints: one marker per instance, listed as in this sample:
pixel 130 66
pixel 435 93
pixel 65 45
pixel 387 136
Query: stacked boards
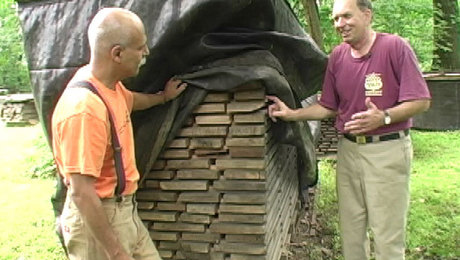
pixel 224 188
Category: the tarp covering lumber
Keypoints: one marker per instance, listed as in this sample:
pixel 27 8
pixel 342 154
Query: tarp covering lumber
pixel 211 44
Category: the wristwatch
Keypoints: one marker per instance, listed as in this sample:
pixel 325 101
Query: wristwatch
pixel 387 118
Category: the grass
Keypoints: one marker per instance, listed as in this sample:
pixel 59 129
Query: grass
pixel 434 218
pixel 27 221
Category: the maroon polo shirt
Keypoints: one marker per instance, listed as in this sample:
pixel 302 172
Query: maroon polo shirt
pixel 389 74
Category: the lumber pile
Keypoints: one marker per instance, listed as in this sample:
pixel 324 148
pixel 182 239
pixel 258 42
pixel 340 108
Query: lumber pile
pixel 18 109
pixel 328 140
pixel 224 189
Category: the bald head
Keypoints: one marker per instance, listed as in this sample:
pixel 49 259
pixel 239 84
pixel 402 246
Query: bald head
pixel 112 26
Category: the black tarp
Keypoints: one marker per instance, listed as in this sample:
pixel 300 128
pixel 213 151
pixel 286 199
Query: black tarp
pixel 212 44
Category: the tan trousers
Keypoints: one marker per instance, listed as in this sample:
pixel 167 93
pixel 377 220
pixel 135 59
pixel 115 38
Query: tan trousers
pixel 125 221
pixel 373 192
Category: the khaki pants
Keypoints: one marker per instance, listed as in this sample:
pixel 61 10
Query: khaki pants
pixel 125 221
pixel 373 192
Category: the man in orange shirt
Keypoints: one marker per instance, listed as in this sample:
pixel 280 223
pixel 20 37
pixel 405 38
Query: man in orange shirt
pixel 95 223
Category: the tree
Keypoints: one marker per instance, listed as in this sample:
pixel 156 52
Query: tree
pixel 313 21
pixel 446 35
pixel 14 74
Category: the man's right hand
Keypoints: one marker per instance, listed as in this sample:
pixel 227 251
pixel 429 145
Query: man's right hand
pixel 279 110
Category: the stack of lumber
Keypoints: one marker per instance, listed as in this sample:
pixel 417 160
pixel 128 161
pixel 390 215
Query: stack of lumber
pixel 19 109
pixel 328 140
pixel 224 188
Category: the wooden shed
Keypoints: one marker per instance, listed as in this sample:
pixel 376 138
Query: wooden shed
pixel 224 188
pixel 444 113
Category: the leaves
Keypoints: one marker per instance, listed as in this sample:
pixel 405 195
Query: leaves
pixel 14 74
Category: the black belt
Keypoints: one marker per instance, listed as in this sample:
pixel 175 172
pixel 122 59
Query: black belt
pixel 364 139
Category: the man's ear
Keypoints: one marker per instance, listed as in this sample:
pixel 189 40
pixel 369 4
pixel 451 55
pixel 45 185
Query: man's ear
pixel 116 52
pixel 369 15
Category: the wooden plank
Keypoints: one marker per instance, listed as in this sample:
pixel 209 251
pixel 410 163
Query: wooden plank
pixel 206 237
pixel 200 208
pixel 242 174
pixel 245 141
pixel 241 218
pixel 207 143
pixel 246 130
pixel 247 152
pixel 188 164
pixel 193 256
pixel 178 226
pixel 222 97
pixel 167 245
pixel 151 184
pixel 184 185
pixel 258 239
pixel 153 195
pixel 210 108
pixel 244 198
pixel 214 120
pixel 198 174
pixel 239 185
pixel 176 154
pixel 166 254
pixel 223 164
pixel 248 257
pixel 196 247
pixel 170 206
pixel 244 106
pixel 179 143
pixel 231 228
pixel 195 218
pixel 145 205
pixel 200 197
pixel 204 131
pixel 254 94
pixel 242 248
pixel 160 175
pixel 214 153
pixel 249 118
pixel 244 209
pixel 158 216
pixel 164 236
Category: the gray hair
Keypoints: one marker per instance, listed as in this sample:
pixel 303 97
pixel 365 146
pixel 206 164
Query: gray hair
pixel 364 4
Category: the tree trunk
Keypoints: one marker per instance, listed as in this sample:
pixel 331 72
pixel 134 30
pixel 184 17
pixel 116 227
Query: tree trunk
pixel 446 35
pixel 312 16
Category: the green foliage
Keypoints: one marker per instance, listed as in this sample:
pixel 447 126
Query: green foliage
pixel 14 73
pixel 411 19
pixel 41 163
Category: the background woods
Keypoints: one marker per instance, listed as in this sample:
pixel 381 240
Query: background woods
pixel 432 28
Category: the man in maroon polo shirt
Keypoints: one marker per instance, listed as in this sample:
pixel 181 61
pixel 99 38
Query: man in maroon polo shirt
pixel 373 86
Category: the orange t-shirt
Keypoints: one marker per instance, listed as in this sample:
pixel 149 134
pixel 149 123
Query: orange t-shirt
pixel 82 139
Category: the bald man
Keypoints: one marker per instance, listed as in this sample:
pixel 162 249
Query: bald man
pixel 373 86
pixel 96 223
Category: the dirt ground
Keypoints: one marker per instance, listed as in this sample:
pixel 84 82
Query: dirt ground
pixel 311 240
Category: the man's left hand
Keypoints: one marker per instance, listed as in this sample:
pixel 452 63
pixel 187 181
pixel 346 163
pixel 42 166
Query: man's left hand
pixel 173 89
pixel 365 121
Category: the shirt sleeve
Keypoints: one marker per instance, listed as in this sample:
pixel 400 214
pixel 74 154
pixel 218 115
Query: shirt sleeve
pixel 83 138
pixel 128 95
pixel 412 84
pixel 329 97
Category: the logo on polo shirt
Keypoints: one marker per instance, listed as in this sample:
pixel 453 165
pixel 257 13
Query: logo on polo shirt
pixel 373 85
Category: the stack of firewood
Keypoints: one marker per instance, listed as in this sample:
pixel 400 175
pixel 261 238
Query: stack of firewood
pixel 19 110
pixel 224 188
